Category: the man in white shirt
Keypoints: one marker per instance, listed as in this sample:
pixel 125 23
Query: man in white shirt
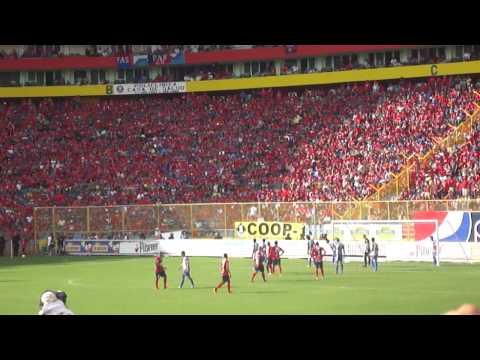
pixel 51 305
pixel 186 270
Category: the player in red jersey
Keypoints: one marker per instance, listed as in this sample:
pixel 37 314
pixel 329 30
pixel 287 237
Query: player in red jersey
pixel 278 251
pixel 258 264
pixel 226 275
pixel 318 253
pixel 160 271
pixel 271 257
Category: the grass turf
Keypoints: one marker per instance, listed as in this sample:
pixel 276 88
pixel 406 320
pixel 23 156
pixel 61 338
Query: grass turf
pixel 125 285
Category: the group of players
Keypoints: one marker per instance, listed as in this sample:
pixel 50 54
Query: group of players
pixel 265 256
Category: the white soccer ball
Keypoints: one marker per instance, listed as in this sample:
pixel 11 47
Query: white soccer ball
pixel 24 256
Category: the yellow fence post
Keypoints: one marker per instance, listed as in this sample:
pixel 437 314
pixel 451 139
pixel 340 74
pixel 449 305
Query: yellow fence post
pixel 88 219
pixel 191 219
pixel 225 217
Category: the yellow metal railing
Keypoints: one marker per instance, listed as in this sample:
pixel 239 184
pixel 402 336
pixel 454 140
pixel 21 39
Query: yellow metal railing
pixel 208 220
pixel 401 181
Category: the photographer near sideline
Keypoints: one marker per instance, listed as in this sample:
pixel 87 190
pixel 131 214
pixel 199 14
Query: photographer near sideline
pixel 54 303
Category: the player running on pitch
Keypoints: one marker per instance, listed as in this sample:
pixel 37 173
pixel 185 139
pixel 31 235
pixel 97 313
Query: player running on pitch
pixel 186 270
pixel 340 255
pixel 278 252
pixel 318 253
pixel 226 275
pixel 160 271
pixel 270 258
pixel 258 265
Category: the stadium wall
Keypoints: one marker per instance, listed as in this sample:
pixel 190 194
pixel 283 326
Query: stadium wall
pixel 388 250
pixel 389 73
pixel 52 91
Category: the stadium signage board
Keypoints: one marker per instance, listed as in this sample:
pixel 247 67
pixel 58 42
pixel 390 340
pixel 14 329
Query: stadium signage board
pixel 270 230
pixel 147 88
pixel 92 247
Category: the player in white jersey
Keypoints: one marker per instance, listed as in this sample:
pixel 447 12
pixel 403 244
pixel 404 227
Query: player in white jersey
pixel 333 246
pixel 263 248
pixel 255 248
pixel 186 270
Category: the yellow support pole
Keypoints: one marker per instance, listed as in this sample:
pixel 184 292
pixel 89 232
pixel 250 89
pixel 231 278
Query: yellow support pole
pixel 191 219
pixel 225 217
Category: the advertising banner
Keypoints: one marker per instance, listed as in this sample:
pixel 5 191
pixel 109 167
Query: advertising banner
pixel 354 250
pixel 453 226
pixel 92 247
pixel 269 230
pixel 147 88
pixel 355 232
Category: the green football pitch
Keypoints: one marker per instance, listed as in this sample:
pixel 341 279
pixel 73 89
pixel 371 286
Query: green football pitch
pixel 125 285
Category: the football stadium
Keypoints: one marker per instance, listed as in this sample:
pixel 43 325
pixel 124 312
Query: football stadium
pixel 239 179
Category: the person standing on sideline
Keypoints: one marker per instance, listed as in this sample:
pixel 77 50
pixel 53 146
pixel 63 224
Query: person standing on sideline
pixel 186 270
pixel 310 246
pixel 50 245
pixel 374 255
pixel 23 247
pixel 16 244
pixel 2 245
pixel 366 254
pixel 340 255
pixel 434 251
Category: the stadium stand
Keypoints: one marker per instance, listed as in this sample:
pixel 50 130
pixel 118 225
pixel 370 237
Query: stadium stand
pixel 453 173
pixel 325 143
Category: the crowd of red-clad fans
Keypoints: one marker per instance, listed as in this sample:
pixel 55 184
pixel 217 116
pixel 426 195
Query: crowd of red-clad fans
pixel 452 173
pixel 325 143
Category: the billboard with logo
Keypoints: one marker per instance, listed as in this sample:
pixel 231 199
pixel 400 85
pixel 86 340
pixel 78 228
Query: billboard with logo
pixel 271 230
pixel 92 247
pixel 453 226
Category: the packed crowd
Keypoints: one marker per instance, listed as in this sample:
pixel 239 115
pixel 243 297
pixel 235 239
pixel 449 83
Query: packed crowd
pixel 452 173
pixel 34 51
pixel 325 143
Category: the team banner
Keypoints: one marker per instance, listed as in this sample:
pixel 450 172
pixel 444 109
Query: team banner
pixel 92 247
pixel 165 59
pixel 147 88
pixel 270 230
